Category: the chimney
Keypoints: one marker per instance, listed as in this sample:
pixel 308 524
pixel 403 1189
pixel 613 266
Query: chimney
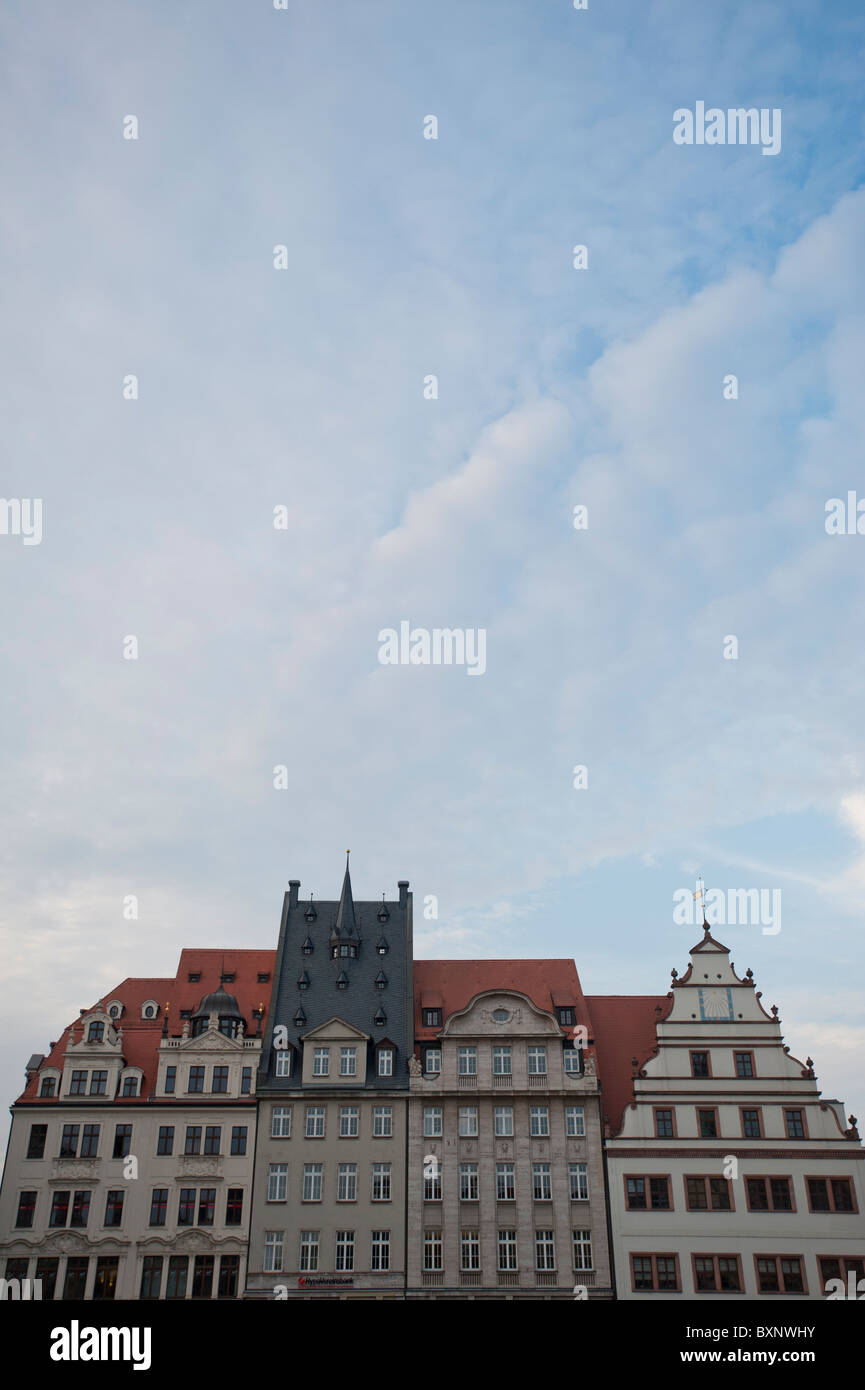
pixel 402 885
pixel 293 888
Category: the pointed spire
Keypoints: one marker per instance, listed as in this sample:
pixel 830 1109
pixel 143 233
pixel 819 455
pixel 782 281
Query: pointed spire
pixel 345 919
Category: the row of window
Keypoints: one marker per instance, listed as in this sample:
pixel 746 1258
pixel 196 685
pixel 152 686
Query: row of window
pixel 72 1208
pixel 346 1182
pixel 743 1064
pixel 347 1061
pixel 653 1192
pixel 777 1274
pixel 94 1082
pixel 502 1060
pixel 310 1251
pixel 107 1266
pixel 77 1215
pixel 541 1182
pixel 709 1125
pixel 566 1015
pixel 507 1258
pixel 503 1121
pixel 82 1141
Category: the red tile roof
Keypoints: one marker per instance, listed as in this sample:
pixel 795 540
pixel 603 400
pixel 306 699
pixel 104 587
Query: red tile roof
pixel 458 981
pixel 624 1028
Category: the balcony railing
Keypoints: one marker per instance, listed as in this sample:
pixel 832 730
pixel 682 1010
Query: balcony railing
pixel 502 1080
pixel 546 1279
pixel 508 1280
pixel 432 1280
pixel 470 1279
pixel 542 1080
pixel 463 1080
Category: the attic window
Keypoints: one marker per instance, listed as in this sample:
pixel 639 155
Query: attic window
pixel 114 1011
pixel 383 914
pixel 186 1013
pixel 228 979
pixel 303 980
pixel 380 1019
pixel 500 1015
pixel 149 1010
pixel 263 977
pixel 381 946
pixel 307 946
pixel 346 950
pixel 566 1016
pixel 432 1018
pixel 310 914
pixel 95 1031
pixel 381 980
pixel 194 976
pixel 342 980
pixel 299 1019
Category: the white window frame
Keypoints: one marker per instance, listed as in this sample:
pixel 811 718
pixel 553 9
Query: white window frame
pixel 468 1121
pixel 381 1182
pixel 506 1180
pixel 545 1250
pixel 309 1247
pixel 277 1182
pixel 349 1122
pixel 575 1121
pixel 467 1061
pixel 432 1251
pixel 581 1245
pixel 432 1121
pixel 470 1250
pixel 382 1122
pixel 502 1060
pixel 348 1061
pixel 578 1182
pixel 346 1182
pixel 433 1070
pixel 542 1182
pixel 274 1249
pixel 314 1114
pixel 506 1250
pixel 537 1056
pixel 321 1061
pixel 385 1061
pixel 280 1122
pixel 503 1121
pixel 283 1062
pixel 313 1182
pixel 469 1188
pixel 379 1251
pixel 344 1252
pixel 539 1121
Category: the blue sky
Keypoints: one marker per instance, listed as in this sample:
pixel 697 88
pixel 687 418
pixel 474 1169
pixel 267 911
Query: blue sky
pixel 303 387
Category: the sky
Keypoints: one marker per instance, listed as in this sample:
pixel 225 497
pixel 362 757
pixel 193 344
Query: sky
pixel 607 648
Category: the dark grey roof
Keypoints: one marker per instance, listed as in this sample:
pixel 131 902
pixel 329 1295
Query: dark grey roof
pixel 219 1002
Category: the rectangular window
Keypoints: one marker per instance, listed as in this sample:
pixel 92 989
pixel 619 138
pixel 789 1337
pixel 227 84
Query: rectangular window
pixel 432 1251
pixel 202 1276
pixel 178 1268
pixel 114 1206
pixel 575 1121
pixel 503 1120
pixel 501 1061
pixel 707 1194
pixel 193 1140
pixel 346 1182
pixel 468 1120
pixel 831 1267
pixel 27 1207
pixel 229 1269
pixel 578 1182
pixel 98 1083
pixel 151 1277
pixel 246 1080
pixel 46 1271
pixel 75 1282
pixel 432 1121
pixel 348 1061
pixel 130 1088
pixel 170 1083
pixel 280 1122
pixel 69 1141
pixel 717 1274
pixel 238 1139
pixel 769 1194
pixel 566 1017
pixel 385 1061
pixel 467 1061
pixel 470 1250
pixel 48 1087
pixel 122 1141
pixel 507 1250
pixel 432 1061
pixel 315 1122
pixel 312 1180
pixel 186 1207
pixel 196 1078
pixel 663 1124
pixel 545 1250
pixel 537 1061
pixel 308 1250
pixel 283 1063
pixel 505 1187
pixel 572 1060
pixel 795 1122
pixel 655 1273
pixel 432 1182
pixel 78 1084
pixel 212 1138
pixel 707 1124
pixel 380 1250
pixel 220 1079
pixel 539 1120
pixel 542 1181
pixel 36 1141
pixel 751 1128
pixel 321 1061
pixel 273 1248
pixel 105 1282
pixel 381 1182
pixel 744 1063
pixel 830 1194
pixel 206 1206
pixel 80 1208
pixel 780 1274
pixel 349 1121
pixel 59 1208
pixel 700 1064
pixel 345 1250
pixel 165 1140
pixel 432 1018
pixel 468 1182
pixel 158 1206
pixel 89 1141
pixel 582 1249
pixel 277 1182
pixel 234 1206
pixel 382 1121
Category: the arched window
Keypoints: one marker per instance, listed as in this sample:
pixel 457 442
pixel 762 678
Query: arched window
pixel 96 1031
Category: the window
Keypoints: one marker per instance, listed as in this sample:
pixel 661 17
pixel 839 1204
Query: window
pixel 381 1182
pixel 717 1274
pixel 212 1139
pixel 80 1208
pixel 647 1193
pixel 385 1061
pixel 542 1182
pixel 122 1140
pixel 769 1194
pixel 165 1140
pixel 246 1078
pixel 467 1061
pixel 283 1063
pixel 280 1122
pixel 105 1283
pixel 186 1207
pixel 655 1273
pixel 575 1121
pixel 130 1086
pixel 206 1206
pixel 234 1206
pixel 831 1267
pixel 194 976
pixel 545 1250
pixel 382 1122
pixel 95 1032
pixel 263 977
pixel 537 1061
pixel 78 1084
pixel 572 1060
pixel 170 1080
pixel 432 1121
pixel 795 1123
pixel 346 1182
pixel 503 1120
pixel 468 1120
pixel 578 1182
pixel 505 1188
pixel 178 1268
pixel 582 1249
pixel 238 1139
pixel 229 1268
pixel 69 1141
pixel 312 1180
pixel 779 1274
pixel 744 1063
pixel 507 1250
pixel 114 1207
pixel 308 1250
pixel 501 1061
pixel 202 1276
pixel 27 1207
pixel 707 1194
pixel 470 1250
pixel 315 1122
pixel 700 1064
pixel 432 1250
pixel 46 1270
pixel 664 1124
pixel 220 1079
pixel 380 1250
pixel 98 1083
pixel 193 1140
pixel 59 1208
pixel 432 1018
pixel 196 1078
pixel 751 1127
pixel 75 1282
pixel 36 1141
pixel 432 1183
pixel 566 1017
pixel 707 1123
pixel 830 1194
pixel 158 1206
pixel 49 1086
pixel 277 1182
pixel 151 1277
pixel 89 1141
pixel 468 1182
pixel 273 1247
pixel 539 1119
pixel 432 1061
pixel 349 1122
pixel 345 1250
pixel 348 1061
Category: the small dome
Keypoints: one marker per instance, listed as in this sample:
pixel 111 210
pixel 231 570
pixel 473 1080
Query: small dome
pixel 220 1003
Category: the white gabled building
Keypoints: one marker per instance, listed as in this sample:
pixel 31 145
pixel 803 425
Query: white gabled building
pixel 729 1175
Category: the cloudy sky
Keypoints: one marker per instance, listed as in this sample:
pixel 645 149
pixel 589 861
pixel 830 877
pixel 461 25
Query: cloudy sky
pixel 303 388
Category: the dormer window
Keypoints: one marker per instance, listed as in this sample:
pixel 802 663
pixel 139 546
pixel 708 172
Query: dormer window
pixel 380 1019
pixel 381 946
pixel 96 1031
pixel 566 1016
pixel 381 980
pixel 130 1086
pixel 307 947
pixel 49 1086
pixel 432 1018
pixel 115 1009
pixel 345 950
pixel 194 976
pixel 299 1019
pixel 149 1009
pixel 310 914
pixel 228 979
pixel 263 976
pixel 383 914
pixel 342 980
pixel 303 980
